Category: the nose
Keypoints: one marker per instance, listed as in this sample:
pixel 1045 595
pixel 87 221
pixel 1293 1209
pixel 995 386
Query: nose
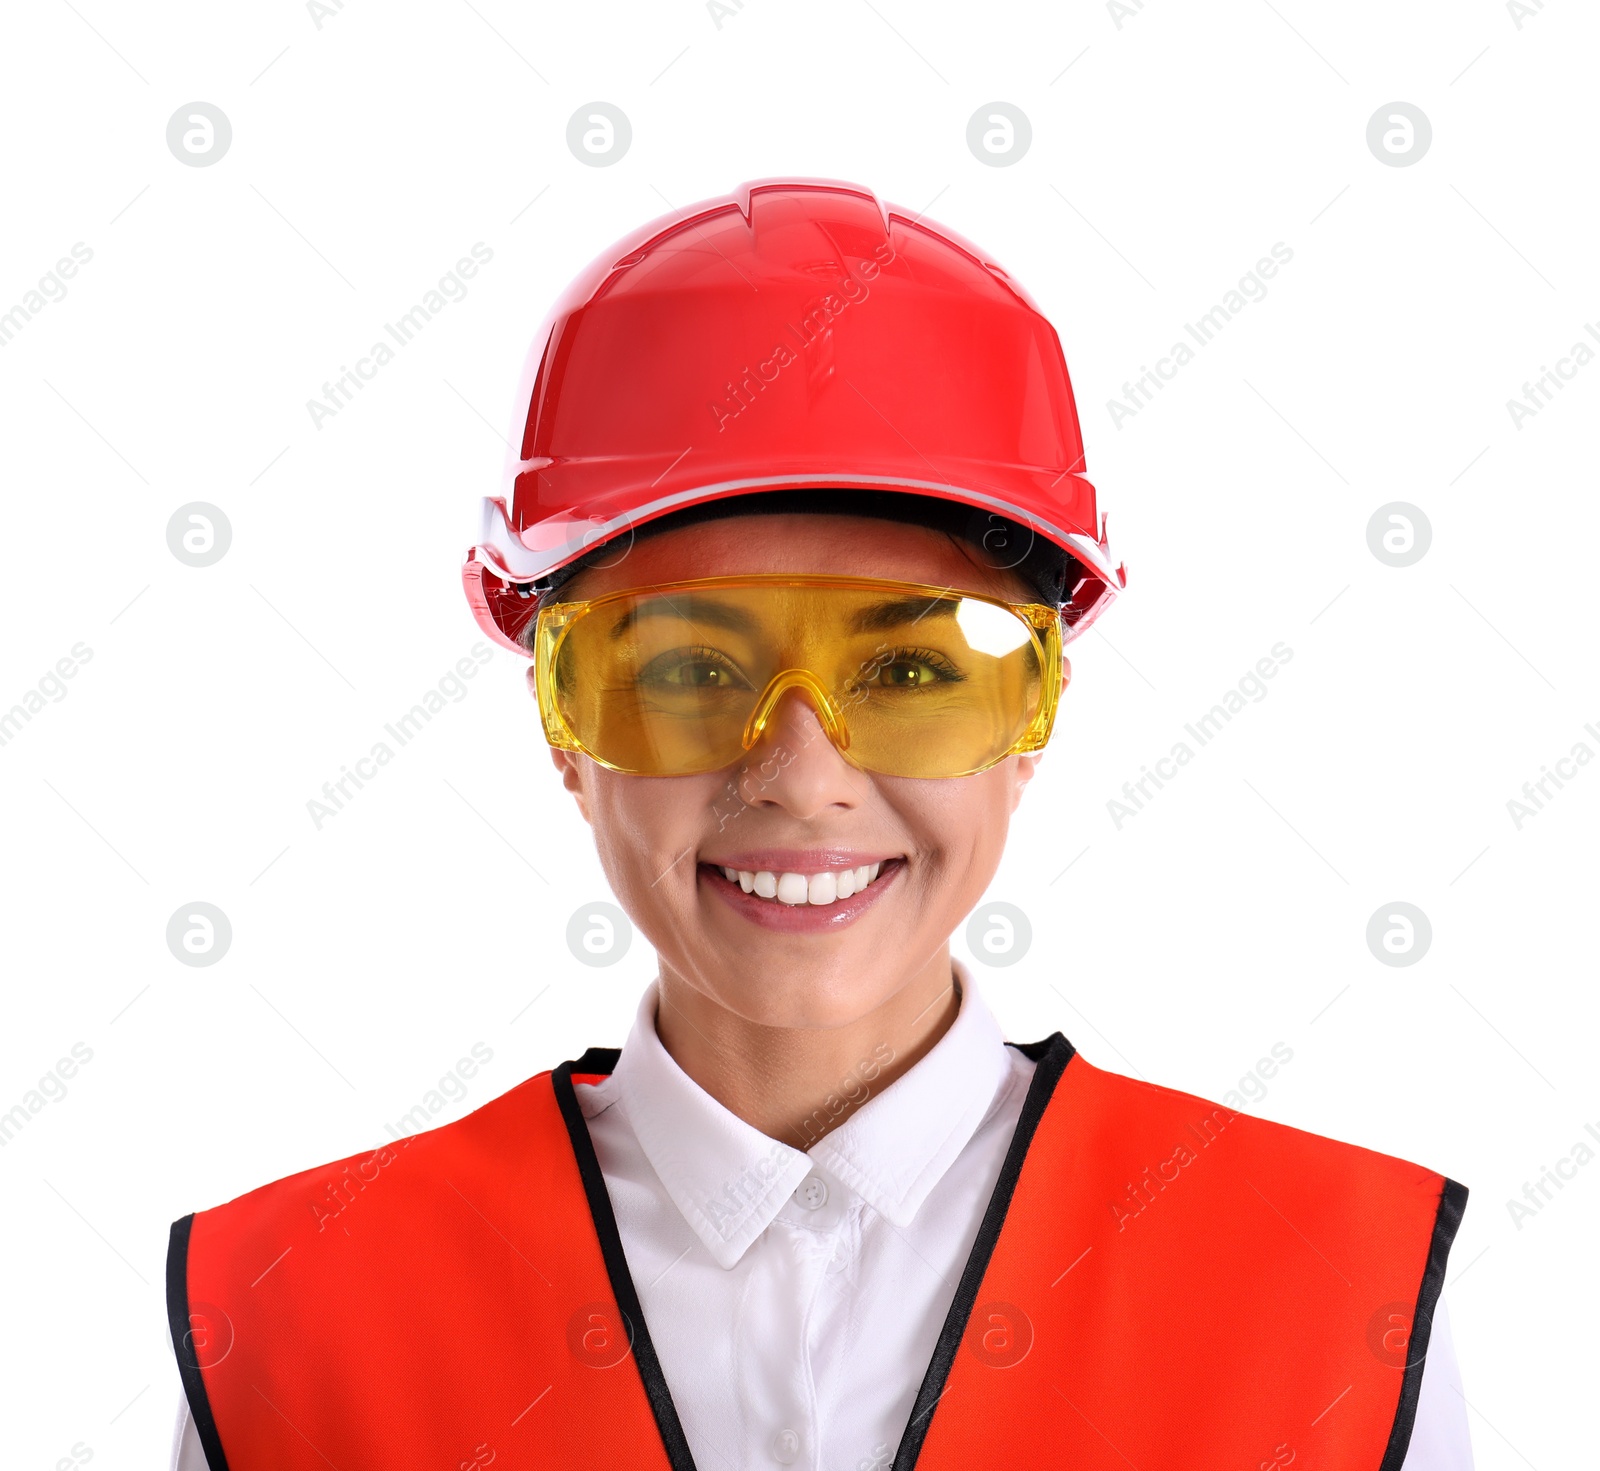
pixel 794 762
pixel 824 709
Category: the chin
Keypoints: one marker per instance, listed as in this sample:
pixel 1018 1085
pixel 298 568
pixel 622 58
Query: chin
pixel 826 1002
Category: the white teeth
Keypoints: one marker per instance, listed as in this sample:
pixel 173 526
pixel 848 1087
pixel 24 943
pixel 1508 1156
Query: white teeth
pixel 823 888
pixel 803 888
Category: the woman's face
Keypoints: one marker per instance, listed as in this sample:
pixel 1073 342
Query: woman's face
pixel 794 804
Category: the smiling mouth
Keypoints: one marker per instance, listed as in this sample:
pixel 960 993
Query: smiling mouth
pixel 827 886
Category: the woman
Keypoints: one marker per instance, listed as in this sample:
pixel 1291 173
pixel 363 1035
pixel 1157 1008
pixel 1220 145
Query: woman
pixel 796 535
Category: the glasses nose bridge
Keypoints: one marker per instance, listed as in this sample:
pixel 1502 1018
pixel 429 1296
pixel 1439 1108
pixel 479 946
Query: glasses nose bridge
pixel 827 708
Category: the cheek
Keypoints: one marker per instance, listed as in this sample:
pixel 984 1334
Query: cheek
pixel 960 825
pixel 988 817
pixel 644 825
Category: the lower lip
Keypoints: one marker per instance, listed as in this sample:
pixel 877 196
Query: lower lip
pixel 801 918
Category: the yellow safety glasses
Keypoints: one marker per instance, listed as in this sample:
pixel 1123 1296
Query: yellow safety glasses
pixel 907 679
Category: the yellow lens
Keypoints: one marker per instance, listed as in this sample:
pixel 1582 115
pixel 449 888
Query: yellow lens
pixel 912 680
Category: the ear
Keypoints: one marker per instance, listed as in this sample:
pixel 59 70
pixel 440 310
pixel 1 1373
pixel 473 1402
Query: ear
pixel 1027 765
pixel 1025 768
pixel 566 762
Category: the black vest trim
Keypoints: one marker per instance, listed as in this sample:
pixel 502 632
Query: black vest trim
pixel 194 1384
pixel 1452 1202
pixel 603 1060
pixel 1051 1056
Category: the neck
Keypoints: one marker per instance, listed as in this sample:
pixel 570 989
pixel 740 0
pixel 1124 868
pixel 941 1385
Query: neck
pixel 797 1084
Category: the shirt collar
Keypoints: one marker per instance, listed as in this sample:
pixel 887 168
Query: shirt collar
pixel 729 1180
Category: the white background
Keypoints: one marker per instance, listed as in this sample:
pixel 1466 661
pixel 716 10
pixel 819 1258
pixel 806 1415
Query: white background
pixel 1169 154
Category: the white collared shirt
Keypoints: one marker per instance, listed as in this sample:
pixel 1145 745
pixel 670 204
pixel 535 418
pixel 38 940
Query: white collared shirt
pixel 794 1297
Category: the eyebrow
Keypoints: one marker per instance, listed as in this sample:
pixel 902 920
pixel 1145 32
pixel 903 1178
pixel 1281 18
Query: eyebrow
pixel 891 613
pixel 688 606
pixel 896 612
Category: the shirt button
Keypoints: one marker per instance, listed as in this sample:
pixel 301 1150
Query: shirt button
pixel 785 1447
pixel 813 1192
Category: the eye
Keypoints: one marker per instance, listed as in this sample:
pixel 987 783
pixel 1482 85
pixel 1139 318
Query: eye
pixel 695 669
pixel 906 669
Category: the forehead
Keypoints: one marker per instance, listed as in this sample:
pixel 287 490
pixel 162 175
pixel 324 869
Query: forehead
pixel 847 546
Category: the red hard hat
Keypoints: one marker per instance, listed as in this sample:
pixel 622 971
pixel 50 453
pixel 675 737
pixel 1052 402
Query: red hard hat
pixel 796 334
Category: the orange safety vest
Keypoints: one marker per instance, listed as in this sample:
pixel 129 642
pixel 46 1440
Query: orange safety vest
pixel 1158 1282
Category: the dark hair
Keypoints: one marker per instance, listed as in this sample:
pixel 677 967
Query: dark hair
pixel 1001 543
